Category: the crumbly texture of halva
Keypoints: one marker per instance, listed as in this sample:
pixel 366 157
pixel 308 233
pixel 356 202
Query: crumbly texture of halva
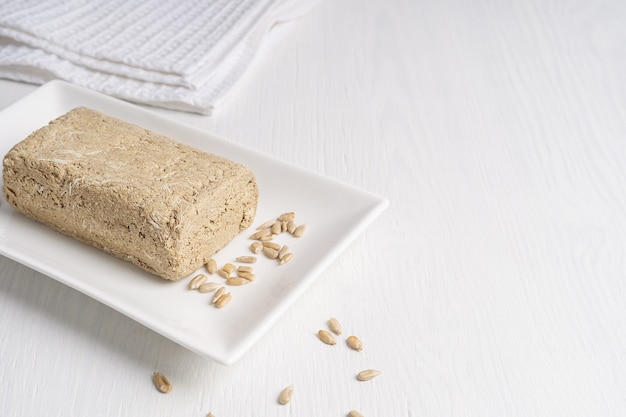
pixel 135 194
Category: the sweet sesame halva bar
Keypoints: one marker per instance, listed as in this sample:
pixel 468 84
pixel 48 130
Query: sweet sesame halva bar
pixel 135 194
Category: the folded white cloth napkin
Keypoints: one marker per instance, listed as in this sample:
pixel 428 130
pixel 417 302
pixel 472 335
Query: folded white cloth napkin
pixel 179 54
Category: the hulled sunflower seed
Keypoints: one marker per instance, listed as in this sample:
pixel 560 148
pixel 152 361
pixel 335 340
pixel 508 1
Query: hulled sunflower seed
pixel 272 245
pixel 291 226
pixel 327 337
pixel 237 281
pixel 243 268
pixel 256 247
pixel 161 382
pixel 223 300
pixel 246 259
pixel 210 414
pixel 334 326
pixel 299 231
pixel 270 253
pixel 283 251
pixel 367 374
pixel 283 226
pixel 198 280
pixel 247 275
pixel 287 216
pixel 267 225
pixel 354 343
pixel 286 258
pixel 211 266
pixel 277 228
pixel 218 294
pixel 208 287
pixel 223 273
pixel 229 268
pixel 286 395
pixel 261 234
pixel 354 413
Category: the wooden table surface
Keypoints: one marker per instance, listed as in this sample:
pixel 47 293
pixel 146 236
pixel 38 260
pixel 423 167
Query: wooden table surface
pixel 493 285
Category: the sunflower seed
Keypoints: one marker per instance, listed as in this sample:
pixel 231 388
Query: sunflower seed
pixel 266 238
pixel 299 231
pixel 237 281
pixel 243 268
pixel 256 247
pixel 197 281
pixel 208 287
pixel 267 225
pixel 283 251
pixel 210 414
pixel 272 245
pixel 287 216
pixel 291 226
pixel 286 395
pixel 335 326
pixel 229 268
pixel 161 382
pixel 246 259
pixel 247 275
pixel 354 343
pixel 218 294
pixel 261 234
pixel 283 226
pixel 327 337
pixel 270 253
pixel 211 266
pixel 223 273
pixel 223 300
pixel 277 228
pixel 367 374
pixel 286 258
pixel 353 413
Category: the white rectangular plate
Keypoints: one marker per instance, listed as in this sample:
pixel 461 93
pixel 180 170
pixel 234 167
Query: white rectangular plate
pixel 335 215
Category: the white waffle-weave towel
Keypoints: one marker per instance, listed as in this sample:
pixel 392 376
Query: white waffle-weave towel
pixel 179 54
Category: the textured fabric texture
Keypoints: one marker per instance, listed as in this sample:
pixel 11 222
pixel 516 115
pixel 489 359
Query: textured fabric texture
pixel 180 54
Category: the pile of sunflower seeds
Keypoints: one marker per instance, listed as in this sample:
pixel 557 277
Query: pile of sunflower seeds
pixel 244 274
pixel 266 232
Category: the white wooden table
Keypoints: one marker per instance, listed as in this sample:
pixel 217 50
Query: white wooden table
pixel 495 283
